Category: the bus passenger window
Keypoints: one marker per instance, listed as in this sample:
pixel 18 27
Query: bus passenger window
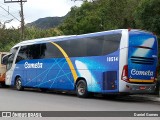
pixel 19 58
pixel 22 55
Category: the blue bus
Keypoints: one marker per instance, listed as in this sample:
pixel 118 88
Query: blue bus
pixel 108 62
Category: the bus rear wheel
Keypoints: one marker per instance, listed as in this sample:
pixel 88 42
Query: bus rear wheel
pixel 19 84
pixel 81 89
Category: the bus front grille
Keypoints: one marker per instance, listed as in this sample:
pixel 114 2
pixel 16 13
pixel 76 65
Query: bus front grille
pixel 142 60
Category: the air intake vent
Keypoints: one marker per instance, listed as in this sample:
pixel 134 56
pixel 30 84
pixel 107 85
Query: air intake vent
pixel 142 60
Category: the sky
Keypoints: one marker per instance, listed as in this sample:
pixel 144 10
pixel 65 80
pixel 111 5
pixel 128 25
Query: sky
pixel 33 10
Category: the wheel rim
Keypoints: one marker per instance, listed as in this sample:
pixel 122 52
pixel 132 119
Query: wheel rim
pixel 18 84
pixel 81 89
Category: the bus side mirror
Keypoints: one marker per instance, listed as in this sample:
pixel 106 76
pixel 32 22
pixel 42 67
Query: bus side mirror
pixel 5 59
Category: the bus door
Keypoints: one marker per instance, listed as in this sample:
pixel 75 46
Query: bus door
pixel 142 57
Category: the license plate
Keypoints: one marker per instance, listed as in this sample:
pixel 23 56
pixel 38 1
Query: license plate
pixel 142 87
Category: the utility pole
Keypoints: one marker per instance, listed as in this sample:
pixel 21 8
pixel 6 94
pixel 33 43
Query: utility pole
pixel 21 14
pixel 22 20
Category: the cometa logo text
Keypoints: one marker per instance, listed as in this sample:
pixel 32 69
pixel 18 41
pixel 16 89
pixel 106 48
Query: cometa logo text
pixel 144 73
pixel 33 65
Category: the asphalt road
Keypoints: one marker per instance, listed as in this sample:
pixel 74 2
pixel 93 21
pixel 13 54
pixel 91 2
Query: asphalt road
pixel 34 100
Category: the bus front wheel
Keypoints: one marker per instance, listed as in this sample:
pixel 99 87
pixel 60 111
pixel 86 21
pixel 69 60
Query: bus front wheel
pixel 19 84
pixel 3 85
pixel 81 89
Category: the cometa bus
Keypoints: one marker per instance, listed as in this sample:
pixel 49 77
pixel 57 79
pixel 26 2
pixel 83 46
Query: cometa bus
pixel 108 62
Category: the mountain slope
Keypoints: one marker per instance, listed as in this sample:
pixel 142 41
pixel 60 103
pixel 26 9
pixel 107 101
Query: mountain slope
pixel 46 23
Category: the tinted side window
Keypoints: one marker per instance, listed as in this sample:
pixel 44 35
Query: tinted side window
pixel 22 55
pixel 65 45
pixel 78 48
pixel 34 51
pixel 48 50
pixel 29 52
pixel 94 46
pixel 111 43
pixel 90 46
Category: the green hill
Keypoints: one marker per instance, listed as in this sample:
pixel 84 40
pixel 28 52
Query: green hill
pixel 46 23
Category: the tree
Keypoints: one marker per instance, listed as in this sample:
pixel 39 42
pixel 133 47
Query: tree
pixel 148 15
pixel 10 37
pixel 100 15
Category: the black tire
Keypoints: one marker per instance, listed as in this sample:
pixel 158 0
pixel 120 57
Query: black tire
pixel 81 89
pixel 3 85
pixel 18 84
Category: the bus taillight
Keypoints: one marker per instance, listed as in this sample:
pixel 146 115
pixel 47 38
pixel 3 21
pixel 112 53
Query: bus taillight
pixel 124 75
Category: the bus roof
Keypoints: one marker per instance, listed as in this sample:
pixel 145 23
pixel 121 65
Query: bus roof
pixel 61 38
pixel 68 37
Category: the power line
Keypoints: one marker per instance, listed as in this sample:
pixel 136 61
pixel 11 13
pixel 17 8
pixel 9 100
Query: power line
pixel 12 8
pixel 4 16
pixel 21 13
pixel 14 13
pixel 10 13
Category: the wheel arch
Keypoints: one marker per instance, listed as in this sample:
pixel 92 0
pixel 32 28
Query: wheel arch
pixel 17 76
pixel 78 79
